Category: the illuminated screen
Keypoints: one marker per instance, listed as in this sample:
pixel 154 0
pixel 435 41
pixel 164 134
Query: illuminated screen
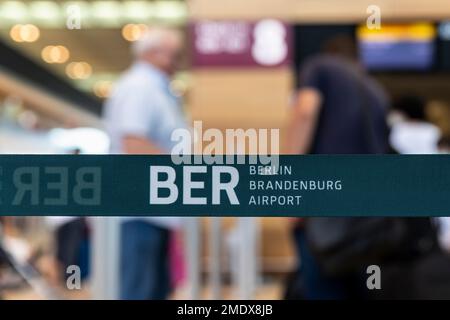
pixel 398 47
pixel 444 45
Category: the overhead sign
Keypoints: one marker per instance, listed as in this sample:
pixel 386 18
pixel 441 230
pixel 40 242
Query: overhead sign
pixel 264 43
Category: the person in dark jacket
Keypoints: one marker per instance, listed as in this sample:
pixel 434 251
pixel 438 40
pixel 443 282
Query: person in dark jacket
pixel 340 109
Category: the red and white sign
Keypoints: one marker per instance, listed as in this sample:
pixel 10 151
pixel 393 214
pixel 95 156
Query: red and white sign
pixel 265 43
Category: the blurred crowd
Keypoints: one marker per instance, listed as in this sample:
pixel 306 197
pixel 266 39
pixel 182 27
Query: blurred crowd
pixel 339 108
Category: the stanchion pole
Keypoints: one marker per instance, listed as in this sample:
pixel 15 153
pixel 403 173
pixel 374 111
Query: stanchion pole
pixel 105 258
pixel 246 258
pixel 215 262
pixel 193 250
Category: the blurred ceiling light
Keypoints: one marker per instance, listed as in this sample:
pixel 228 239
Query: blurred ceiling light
pixel 102 88
pixel 137 10
pixel 94 14
pixel 55 54
pixel 24 33
pixel 170 10
pixel 101 13
pixel 13 10
pixel 132 32
pixel 46 12
pixel 30 33
pixel 79 70
pixel 106 12
pixel 14 33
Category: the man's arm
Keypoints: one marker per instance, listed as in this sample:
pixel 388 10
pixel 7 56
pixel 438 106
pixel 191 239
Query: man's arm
pixel 303 121
pixel 133 144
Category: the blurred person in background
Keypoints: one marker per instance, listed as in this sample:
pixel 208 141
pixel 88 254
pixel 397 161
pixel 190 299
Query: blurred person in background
pixel 72 245
pixel 413 133
pixel 444 228
pixel 335 100
pixel 140 116
pixel 340 109
pixel 444 145
pixel 72 242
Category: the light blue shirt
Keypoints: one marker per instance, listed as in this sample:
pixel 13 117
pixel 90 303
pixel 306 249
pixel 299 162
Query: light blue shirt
pixel 142 104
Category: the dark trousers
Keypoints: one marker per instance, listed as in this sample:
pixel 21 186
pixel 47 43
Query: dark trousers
pixel 144 265
pixel 72 246
pixel 317 285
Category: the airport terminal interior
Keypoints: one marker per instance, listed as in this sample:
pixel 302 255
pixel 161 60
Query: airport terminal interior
pixel 60 61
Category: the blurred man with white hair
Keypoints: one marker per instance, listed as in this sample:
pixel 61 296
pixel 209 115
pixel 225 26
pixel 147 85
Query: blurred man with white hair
pixel 140 116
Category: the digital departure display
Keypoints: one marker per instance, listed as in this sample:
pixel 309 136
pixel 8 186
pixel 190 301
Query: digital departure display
pixel 398 47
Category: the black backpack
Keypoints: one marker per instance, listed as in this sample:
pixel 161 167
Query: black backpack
pixel 345 245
